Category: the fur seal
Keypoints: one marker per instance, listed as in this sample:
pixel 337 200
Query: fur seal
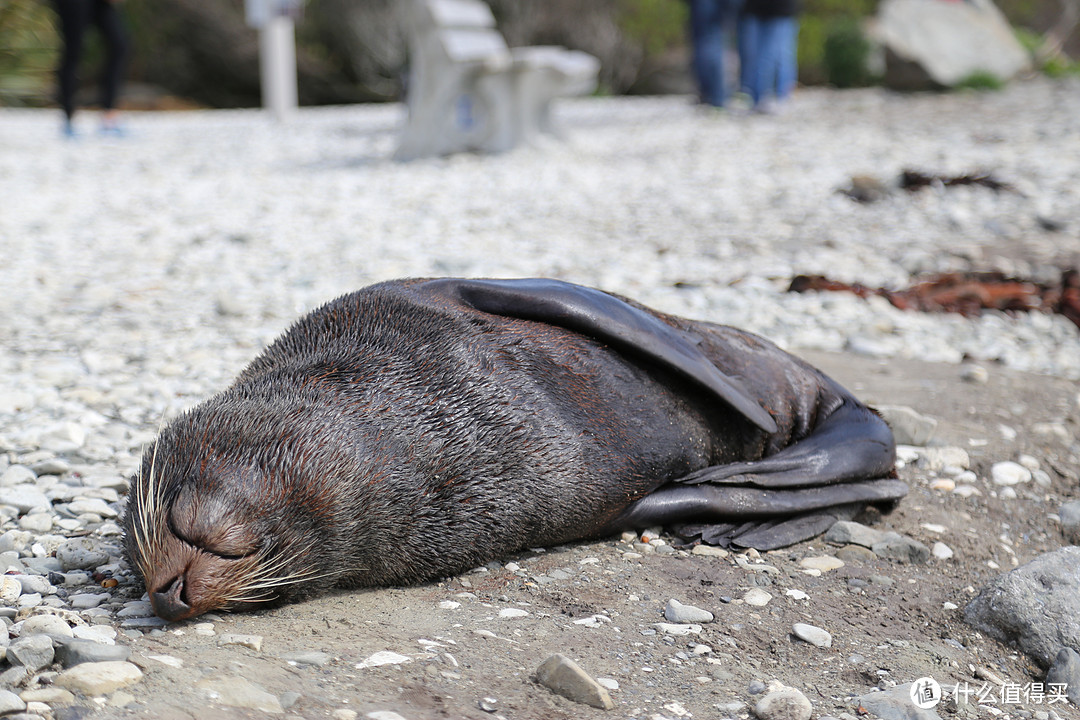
pixel 417 428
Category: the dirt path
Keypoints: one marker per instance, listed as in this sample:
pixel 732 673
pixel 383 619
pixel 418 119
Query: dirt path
pixel 890 622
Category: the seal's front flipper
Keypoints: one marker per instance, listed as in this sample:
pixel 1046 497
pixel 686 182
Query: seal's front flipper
pixel 607 318
pixel 852 443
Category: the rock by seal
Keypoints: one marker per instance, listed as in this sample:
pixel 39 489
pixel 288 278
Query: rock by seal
pixel 416 428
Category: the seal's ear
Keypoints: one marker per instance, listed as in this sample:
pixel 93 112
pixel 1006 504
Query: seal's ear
pixel 596 314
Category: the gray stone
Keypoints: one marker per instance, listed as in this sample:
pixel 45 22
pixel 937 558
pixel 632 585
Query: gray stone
pixel 253 642
pixel 894 546
pixel 937 459
pixel 81 553
pixel 36 523
pixel 93 506
pixel 565 677
pixel 10 562
pixel 241 693
pixel 1035 607
pixel 17 475
pixel 24 497
pixel 909 427
pixel 75 651
pixel 855 554
pixel 1066 670
pixel 33 652
pixel 1070 521
pixel 10 703
pixel 307 657
pixel 676 612
pixel 51 466
pixel 136 608
pixel 896 704
pixel 50 695
pixel 15 540
pixel 98 678
pixel 86 601
pixel 143 623
pixel 846 532
pixel 29 600
pixel 42 565
pixel 46 624
pixel 813 635
pixel 933 44
pixel 784 704
pixel 14 676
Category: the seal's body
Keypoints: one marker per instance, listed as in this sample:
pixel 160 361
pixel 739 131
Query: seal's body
pixel 414 429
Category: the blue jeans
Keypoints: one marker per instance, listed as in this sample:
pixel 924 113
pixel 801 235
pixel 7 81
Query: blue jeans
pixel 767 63
pixel 710 23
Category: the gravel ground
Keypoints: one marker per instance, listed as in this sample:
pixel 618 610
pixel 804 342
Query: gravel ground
pixel 139 275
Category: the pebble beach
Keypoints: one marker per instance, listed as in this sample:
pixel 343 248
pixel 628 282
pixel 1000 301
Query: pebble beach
pixel 138 275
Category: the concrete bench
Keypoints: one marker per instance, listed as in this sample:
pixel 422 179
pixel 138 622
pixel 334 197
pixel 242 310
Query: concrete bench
pixel 468 91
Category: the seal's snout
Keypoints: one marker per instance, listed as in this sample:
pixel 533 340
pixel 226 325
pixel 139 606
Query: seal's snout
pixel 169 603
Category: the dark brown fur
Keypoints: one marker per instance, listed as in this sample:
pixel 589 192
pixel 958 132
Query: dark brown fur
pixel 394 436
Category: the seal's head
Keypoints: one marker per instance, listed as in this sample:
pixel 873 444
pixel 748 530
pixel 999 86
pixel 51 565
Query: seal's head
pixel 213 522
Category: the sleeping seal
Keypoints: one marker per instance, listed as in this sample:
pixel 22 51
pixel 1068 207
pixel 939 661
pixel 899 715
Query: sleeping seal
pixel 417 428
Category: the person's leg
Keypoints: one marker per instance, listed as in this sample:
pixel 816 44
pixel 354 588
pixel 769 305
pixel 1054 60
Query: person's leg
pixel 73 17
pixel 765 75
pixel 787 67
pixel 749 37
pixel 707 33
pixel 108 20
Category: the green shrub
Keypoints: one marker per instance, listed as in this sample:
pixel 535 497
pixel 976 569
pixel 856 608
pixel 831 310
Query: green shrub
pixel 657 25
pixel 28 50
pixel 818 21
pixel 1055 67
pixel 981 80
pixel 846 55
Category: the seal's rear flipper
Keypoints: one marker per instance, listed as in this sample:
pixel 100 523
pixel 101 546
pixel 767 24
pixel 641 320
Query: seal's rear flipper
pixel 607 318
pixel 791 496
pixel 771 518
pixel 768 535
pixel 852 443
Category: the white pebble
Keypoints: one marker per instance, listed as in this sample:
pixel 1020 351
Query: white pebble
pixel 513 613
pixel 678 629
pixel 941 551
pixel 1009 473
pixel 383 657
pixel 813 635
pixel 757 597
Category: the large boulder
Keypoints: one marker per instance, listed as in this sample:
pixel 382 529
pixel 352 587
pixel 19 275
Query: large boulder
pixel 940 43
pixel 1035 607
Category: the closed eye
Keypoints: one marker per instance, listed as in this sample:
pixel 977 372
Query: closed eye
pixel 229 545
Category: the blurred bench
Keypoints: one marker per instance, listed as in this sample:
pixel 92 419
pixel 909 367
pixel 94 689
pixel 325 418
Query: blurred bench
pixel 467 91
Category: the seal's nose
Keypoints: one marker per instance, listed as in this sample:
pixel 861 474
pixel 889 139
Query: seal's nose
pixel 168 603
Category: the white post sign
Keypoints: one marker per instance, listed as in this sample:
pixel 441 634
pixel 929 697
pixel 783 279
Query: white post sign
pixel 277 52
